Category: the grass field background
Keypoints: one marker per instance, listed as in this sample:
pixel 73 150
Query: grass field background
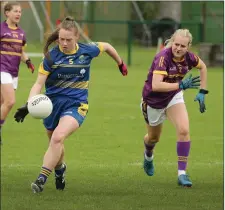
pixel 104 157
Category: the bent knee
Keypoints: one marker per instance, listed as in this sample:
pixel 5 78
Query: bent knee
pixel 57 138
pixel 151 138
pixel 9 103
pixel 183 131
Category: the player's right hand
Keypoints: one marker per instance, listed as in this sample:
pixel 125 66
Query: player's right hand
pixel 21 113
pixel 190 82
pixel 30 65
pixel 201 99
pixel 123 69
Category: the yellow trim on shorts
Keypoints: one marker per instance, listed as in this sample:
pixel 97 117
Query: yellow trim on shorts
pixel 83 109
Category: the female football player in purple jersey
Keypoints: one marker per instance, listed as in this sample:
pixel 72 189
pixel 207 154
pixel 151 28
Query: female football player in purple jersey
pixel 163 97
pixel 13 41
pixel 65 72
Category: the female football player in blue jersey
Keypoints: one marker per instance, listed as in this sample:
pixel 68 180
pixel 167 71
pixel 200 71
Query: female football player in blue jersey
pixel 163 97
pixel 65 72
pixel 13 40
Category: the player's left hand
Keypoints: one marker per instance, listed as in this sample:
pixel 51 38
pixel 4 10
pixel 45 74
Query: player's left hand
pixel 21 113
pixel 201 99
pixel 30 65
pixel 123 69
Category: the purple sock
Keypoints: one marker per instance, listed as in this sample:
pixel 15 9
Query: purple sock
pixel 183 149
pixel 149 149
pixel 2 122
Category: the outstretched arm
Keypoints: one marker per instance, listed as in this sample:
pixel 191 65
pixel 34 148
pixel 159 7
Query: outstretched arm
pixel 111 51
pixel 159 86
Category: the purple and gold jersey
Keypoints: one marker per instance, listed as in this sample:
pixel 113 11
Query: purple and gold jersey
pixel 12 43
pixel 174 71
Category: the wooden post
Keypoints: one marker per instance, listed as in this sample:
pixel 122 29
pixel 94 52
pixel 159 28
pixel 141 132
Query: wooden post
pixel 48 9
pixel 62 9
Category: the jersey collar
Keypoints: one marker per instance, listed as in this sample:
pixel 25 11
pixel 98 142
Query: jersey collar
pixel 11 27
pixel 176 60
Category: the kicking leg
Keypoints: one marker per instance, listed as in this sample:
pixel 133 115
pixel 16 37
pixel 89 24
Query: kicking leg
pixel 67 125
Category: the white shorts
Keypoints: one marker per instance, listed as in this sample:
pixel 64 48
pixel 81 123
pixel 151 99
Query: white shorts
pixel 7 78
pixel 155 117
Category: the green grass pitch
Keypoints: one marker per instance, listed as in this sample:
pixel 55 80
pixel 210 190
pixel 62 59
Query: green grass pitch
pixel 105 155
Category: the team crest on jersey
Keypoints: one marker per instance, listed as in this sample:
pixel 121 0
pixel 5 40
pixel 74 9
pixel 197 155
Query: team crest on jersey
pixel 81 59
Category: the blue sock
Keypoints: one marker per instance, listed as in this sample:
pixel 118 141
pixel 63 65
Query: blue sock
pixel 45 172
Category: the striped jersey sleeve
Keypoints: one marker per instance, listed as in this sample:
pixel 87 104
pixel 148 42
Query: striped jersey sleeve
pixel 160 65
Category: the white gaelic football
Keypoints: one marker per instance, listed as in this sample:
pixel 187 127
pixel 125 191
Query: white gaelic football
pixel 40 106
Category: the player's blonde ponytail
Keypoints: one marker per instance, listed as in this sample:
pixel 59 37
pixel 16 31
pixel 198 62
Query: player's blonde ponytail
pixel 181 32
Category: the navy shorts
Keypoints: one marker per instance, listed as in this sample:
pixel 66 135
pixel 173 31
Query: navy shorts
pixel 63 106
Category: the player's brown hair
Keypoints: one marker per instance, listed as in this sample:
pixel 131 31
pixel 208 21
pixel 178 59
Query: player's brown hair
pixel 68 23
pixel 182 32
pixel 8 6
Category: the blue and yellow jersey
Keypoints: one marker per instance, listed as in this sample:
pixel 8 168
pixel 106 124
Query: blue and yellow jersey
pixel 69 74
